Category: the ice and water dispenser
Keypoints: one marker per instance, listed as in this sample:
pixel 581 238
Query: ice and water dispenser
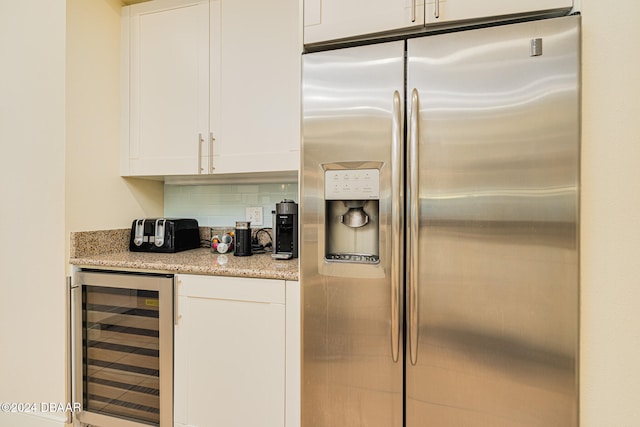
pixel 352 215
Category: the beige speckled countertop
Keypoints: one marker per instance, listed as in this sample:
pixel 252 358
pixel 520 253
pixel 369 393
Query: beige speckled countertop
pixel 108 249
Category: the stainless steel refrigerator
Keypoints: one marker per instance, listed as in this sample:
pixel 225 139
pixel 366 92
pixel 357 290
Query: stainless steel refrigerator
pixel 439 229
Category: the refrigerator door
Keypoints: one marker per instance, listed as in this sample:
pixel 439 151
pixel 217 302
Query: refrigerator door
pixel 493 259
pixel 352 120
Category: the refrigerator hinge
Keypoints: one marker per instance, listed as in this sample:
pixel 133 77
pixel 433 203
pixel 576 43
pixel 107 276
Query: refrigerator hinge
pixel 536 47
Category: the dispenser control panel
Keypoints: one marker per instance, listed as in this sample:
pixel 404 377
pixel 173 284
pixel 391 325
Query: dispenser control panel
pixel 352 184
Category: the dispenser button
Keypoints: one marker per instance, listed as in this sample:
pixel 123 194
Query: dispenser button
pixel 354 184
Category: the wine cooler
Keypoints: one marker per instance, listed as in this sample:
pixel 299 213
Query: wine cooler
pixel 123 355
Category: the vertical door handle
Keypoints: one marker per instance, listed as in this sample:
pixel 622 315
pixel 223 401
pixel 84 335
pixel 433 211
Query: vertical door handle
pixel 212 167
pixel 76 339
pixel 436 13
pixel 69 346
pixel 397 223
pixel 413 10
pixel 413 227
pixel 200 141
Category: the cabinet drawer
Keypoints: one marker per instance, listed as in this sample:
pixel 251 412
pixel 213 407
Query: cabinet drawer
pixel 232 288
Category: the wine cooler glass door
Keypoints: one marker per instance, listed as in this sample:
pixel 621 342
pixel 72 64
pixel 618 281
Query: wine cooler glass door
pixel 124 359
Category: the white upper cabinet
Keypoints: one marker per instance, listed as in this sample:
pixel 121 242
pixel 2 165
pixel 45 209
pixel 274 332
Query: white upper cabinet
pixel 211 87
pixel 328 20
pixel 336 19
pixel 459 10
pixel 260 87
pixel 166 88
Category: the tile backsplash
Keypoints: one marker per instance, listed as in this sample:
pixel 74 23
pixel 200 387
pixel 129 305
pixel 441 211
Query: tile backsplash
pixel 224 204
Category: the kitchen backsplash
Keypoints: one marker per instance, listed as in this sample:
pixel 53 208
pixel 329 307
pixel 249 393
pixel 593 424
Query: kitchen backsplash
pixel 224 204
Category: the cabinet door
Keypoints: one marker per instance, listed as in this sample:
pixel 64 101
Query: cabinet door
pixel 168 128
pixel 230 352
pixel 336 19
pixel 458 10
pixel 260 87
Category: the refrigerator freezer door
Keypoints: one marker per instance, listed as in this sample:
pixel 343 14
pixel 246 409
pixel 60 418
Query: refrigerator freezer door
pixel 352 112
pixel 496 289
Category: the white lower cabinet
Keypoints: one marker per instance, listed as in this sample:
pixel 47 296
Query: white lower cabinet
pixel 230 353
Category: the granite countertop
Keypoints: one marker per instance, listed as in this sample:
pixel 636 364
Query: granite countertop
pixel 108 249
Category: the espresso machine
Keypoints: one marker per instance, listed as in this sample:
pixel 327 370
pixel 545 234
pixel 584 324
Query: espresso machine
pixel 285 230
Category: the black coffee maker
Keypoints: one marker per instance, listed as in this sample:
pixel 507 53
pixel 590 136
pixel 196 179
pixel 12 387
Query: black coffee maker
pixel 285 230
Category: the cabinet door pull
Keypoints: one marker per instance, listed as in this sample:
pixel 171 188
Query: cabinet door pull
pixel 200 141
pixel 437 9
pixel 413 10
pixel 212 139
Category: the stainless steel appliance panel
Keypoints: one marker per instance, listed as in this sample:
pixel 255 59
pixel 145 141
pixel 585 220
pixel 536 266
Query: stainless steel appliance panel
pixel 123 356
pixel 492 290
pixel 352 349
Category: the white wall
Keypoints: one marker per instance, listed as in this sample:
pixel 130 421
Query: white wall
pixel 32 162
pixel 97 198
pixel 59 133
pixel 610 258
